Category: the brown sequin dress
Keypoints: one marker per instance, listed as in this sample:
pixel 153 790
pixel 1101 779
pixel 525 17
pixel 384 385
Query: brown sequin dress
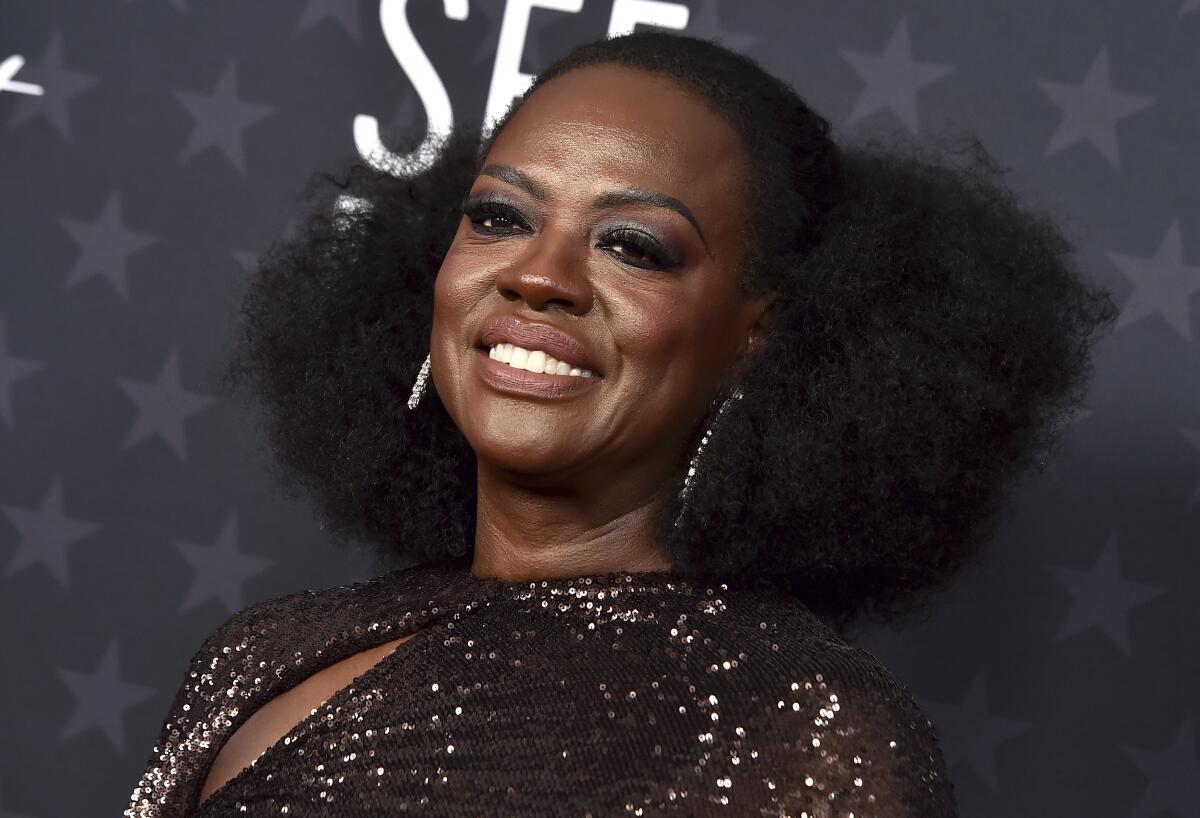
pixel 618 694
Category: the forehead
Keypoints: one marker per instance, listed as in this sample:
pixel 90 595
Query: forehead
pixel 608 124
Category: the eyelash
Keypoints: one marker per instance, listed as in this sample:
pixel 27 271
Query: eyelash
pixel 479 210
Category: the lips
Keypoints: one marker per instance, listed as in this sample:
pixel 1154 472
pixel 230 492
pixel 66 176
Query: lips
pixel 551 340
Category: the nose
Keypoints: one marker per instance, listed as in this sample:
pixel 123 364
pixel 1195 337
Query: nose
pixel 548 274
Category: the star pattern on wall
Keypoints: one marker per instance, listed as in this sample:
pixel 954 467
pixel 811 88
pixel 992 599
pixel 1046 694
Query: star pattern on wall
pixel 122 170
pixel 220 118
pixel 1163 283
pixel 44 533
pixel 1091 110
pixel 219 570
pixel 893 78
pixel 60 85
pixel 101 698
pixel 970 732
pixel 1172 775
pixel 1101 597
pixel 162 407
pixel 105 246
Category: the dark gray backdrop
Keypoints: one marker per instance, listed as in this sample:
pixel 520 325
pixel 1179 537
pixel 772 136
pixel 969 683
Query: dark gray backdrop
pixel 135 512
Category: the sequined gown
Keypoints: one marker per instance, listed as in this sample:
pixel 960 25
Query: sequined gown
pixel 619 694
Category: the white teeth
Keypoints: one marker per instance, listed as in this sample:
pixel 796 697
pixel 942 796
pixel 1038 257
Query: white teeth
pixel 534 360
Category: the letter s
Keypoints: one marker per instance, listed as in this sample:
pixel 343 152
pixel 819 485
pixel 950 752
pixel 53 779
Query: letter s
pixel 393 18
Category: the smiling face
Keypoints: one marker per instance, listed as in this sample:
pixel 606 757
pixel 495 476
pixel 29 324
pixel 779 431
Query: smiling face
pixel 605 231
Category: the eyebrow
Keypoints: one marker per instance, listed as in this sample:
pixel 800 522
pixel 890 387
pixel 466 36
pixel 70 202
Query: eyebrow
pixel 627 195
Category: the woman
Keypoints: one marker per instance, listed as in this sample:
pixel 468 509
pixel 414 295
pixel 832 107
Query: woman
pixel 700 387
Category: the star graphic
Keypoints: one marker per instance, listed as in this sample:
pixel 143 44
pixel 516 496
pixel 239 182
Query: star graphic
pixel 105 246
pixel 1188 7
pixel 1091 110
pixel 102 697
pixel 220 569
pixel 163 406
pixel 344 11
pixel 45 533
pixel 220 118
pixel 703 23
pixel 59 86
pixel 1162 283
pixel 12 369
pixel 1101 597
pixel 892 79
pixel 1174 775
pixel 970 733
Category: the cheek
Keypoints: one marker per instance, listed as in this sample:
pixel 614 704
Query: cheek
pixel 455 294
pixel 457 288
pixel 673 333
pixel 448 283
pixel 445 296
pixel 447 308
pixel 651 331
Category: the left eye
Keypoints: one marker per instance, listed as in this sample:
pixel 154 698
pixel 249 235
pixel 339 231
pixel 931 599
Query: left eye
pixel 495 218
pixel 639 250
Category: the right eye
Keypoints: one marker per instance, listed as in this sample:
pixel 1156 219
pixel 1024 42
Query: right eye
pixel 494 218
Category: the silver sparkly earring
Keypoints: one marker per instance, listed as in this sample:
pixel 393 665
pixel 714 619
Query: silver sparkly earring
pixel 419 386
pixel 694 465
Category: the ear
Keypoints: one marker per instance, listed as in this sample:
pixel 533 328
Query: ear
pixel 756 319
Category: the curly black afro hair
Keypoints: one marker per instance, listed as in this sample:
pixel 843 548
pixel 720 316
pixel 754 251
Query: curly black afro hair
pixel 929 339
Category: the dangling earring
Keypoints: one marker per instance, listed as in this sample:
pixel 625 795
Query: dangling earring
pixel 689 480
pixel 419 386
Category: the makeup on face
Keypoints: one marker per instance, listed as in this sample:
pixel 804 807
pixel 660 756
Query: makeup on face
pixel 587 306
pixel 651 241
pixel 632 242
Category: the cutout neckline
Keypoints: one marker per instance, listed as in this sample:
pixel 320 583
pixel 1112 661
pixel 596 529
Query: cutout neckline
pixel 333 700
pixel 458 584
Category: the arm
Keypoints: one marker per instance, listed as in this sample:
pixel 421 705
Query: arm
pixel 168 783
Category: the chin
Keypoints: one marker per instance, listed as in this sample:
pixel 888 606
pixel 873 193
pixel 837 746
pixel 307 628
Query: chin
pixel 522 445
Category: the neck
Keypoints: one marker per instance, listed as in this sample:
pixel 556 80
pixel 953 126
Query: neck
pixel 529 532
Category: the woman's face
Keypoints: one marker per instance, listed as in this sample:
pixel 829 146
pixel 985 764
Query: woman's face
pixel 604 231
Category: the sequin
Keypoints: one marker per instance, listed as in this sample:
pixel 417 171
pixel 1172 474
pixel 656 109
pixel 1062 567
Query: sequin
pixel 626 693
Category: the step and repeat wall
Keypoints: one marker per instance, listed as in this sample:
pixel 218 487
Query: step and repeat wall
pixel 151 149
